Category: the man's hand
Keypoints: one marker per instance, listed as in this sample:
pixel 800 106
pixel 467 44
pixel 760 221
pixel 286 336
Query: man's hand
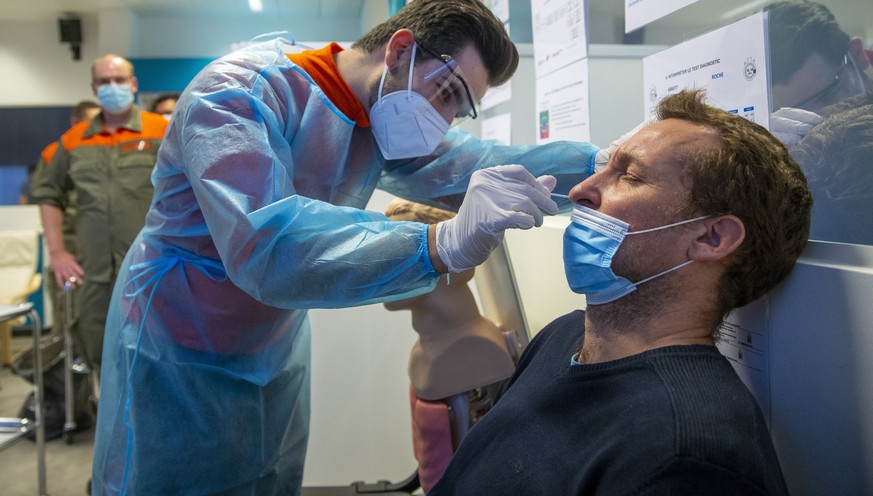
pixel 790 125
pixel 67 269
pixel 63 262
pixel 498 198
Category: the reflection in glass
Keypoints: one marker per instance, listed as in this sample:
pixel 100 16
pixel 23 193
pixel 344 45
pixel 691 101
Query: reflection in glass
pixel 837 158
pixel 813 61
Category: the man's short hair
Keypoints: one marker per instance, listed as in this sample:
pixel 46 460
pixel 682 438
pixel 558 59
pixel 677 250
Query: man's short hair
pixel 446 27
pixel 751 175
pixel 80 111
pixel 837 157
pixel 124 61
pixel 797 30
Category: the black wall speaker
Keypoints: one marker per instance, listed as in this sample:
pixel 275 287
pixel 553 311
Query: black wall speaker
pixel 71 30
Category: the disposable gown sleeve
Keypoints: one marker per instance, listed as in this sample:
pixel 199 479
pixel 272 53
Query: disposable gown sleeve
pixel 284 249
pixel 441 179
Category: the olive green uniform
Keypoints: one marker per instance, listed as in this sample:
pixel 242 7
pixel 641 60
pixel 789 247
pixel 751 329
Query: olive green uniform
pixel 111 176
pixel 56 293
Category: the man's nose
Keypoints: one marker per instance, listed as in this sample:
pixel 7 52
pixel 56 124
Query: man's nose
pixel 586 193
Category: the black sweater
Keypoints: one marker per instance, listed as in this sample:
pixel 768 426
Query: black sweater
pixel 674 420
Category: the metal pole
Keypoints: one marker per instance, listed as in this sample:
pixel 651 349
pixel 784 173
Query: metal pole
pixel 69 399
pixel 39 403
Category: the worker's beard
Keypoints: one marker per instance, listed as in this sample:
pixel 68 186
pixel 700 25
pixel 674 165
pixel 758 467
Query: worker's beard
pixel 395 80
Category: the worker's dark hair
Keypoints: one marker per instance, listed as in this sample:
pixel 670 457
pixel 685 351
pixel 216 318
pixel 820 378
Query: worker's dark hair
pixel 797 30
pixel 446 27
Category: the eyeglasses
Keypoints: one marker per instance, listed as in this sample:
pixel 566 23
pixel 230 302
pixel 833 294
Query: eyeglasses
pixel 449 90
pixel 847 82
pixel 113 79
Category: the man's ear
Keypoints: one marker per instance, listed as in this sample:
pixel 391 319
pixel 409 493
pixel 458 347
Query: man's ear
pixel 399 47
pixel 856 51
pixel 724 234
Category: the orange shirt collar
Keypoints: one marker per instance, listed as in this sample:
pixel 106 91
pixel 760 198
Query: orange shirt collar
pixel 321 67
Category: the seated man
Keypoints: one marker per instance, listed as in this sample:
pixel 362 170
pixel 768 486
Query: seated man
pixel 632 396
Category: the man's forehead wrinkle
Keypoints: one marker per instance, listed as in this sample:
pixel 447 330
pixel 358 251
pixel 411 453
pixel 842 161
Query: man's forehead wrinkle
pixel 702 138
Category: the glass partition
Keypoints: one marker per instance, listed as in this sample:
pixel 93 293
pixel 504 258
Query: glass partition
pixel 821 92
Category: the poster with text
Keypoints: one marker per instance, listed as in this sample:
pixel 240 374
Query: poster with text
pixel 730 63
pixel 561 68
pixel 744 341
pixel 562 105
pixel 498 128
pixel 559 34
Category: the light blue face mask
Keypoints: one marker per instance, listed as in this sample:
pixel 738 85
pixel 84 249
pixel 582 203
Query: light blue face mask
pixel 590 242
pixel 115 98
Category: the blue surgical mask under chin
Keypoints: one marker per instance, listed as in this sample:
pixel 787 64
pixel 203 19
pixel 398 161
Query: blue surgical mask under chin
pixel 115 98
pixel 590 242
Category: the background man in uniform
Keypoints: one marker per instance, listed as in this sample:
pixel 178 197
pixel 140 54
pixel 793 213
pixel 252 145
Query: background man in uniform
pixel 83 111
pixel 107 162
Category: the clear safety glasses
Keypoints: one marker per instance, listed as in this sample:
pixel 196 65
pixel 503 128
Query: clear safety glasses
pixel 451 87
pixel 847 82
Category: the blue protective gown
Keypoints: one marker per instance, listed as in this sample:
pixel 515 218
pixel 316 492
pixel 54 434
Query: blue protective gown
pixel 256 218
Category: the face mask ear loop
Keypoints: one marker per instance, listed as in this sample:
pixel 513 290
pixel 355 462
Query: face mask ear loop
pixel 411 70
pixel 382 82
pixel 857 74
pixel 659 274
pixel 670 225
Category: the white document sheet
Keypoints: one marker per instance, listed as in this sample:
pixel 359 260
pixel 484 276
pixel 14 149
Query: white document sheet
pixel 729 62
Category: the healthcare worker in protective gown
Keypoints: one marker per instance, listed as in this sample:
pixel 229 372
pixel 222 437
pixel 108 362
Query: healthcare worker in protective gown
pixel 257 217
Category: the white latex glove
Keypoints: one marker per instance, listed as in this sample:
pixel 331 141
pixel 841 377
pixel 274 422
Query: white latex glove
pixel 498 198
pixel 602 157
pixel 790 125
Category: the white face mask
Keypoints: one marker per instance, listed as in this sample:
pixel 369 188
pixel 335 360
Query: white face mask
pixel 404 123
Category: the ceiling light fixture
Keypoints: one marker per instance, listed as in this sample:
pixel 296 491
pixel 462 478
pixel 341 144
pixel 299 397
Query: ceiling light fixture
pixel 256 5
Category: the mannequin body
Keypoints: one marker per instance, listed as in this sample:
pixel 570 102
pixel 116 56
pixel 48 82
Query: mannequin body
pixel 458 349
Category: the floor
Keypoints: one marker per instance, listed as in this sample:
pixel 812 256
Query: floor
pixel 68 466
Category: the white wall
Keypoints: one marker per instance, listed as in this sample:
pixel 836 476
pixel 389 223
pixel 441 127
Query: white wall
pixel 38 70
pixel 361 428
pixel 213 36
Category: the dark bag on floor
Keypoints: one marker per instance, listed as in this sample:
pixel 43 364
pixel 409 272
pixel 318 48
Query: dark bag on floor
pixel 53 379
